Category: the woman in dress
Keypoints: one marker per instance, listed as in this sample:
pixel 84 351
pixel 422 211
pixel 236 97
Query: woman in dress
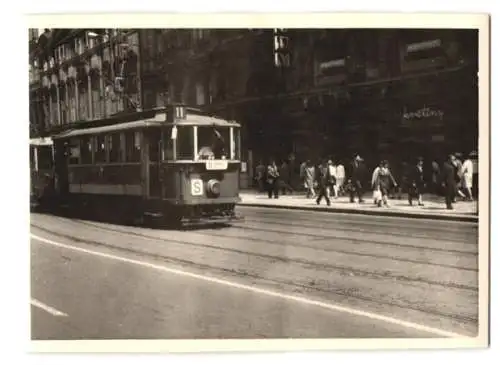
pixel 467 176
pixel 417 183
pixel 382 180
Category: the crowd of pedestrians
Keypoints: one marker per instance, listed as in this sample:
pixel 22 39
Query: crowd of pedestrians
pixel 327 180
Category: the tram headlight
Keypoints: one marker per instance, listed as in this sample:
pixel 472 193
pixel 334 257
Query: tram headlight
pixel 213 187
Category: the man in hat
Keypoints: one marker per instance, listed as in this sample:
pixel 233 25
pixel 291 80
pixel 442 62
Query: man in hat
pixel 323 178
pixel 448 181
pixel 357 178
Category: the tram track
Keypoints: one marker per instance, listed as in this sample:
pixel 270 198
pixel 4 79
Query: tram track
pixel 354 240
pixel 361 254
pixel 341 222
pixel 296 286
pixel 288 260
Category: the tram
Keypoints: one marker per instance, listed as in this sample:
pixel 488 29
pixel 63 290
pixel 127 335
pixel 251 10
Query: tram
pixel 175 164
pixel 41 171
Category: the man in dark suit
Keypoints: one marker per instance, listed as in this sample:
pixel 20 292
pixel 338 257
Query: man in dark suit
pixel 324 179
pixel 357 178
pixel 448 181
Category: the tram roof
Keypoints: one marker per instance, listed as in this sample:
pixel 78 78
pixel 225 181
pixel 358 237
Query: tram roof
pixel 157 121
pixel 42 141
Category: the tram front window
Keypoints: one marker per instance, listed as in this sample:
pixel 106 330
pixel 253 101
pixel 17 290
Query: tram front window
pixel 213 143
pixel 185 143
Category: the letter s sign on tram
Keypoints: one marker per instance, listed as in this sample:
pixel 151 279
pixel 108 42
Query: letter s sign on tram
pixel 196 187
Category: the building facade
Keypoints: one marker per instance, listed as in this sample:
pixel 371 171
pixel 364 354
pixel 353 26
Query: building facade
pixel 382 93
pixel 80 75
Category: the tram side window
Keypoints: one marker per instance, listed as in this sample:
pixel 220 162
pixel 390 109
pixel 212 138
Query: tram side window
pixel 154 136
pixel 168 146
pixel 74 152
pixel 185 143
pixel 114 147
pixel 86 150
pixel 44 157
pixel 100 149
pixel 32 156
pixel 133 146
pixel 237 144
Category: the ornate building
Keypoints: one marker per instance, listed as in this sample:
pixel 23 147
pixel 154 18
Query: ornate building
pixel 79 75
pixel 393 93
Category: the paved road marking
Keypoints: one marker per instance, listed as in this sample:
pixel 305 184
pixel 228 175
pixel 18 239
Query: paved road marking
pixel 254 289
pixel 47 308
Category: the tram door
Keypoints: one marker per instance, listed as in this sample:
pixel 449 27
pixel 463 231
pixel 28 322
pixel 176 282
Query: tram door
pixel 154 146
pixel 61 152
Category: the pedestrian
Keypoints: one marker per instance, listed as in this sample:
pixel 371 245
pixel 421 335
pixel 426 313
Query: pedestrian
pixel 332 188
pixel 448 181
pixel 284 180
pixel 417 183
pixel 377 196
pixel 436 173
pixel 475 174
pixel 467 176
pixel 340 178
pixel 383 180
pixel 310 172
pixel 457 162
pixel 323 178
pixel 260 176
pixel 357 178
pixel 302 174
pixel 272 180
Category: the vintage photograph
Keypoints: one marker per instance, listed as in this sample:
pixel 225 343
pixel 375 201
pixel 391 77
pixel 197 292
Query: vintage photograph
pixel 255 183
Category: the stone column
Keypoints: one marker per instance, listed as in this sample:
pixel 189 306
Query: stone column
pixel 77 100
pixel 58 102
pixel 102 89
pixel 68 104
pixel 89 91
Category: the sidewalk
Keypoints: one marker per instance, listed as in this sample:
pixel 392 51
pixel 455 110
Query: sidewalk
pixel 434 206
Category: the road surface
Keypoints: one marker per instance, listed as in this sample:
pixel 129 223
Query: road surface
pixel 277 274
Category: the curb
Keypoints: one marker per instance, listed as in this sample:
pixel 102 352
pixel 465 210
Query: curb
pixel 456 218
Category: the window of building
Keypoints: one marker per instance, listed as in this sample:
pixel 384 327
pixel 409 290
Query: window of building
pixel 420 44
pixel 100 149
pixel 133 146
pixel 185 143
pixel 81 46
pixel 200 94
pixel 97 104
pixel 86 150
pixel 114 147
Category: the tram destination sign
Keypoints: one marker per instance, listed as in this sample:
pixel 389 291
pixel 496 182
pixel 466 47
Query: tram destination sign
pixel 216 164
